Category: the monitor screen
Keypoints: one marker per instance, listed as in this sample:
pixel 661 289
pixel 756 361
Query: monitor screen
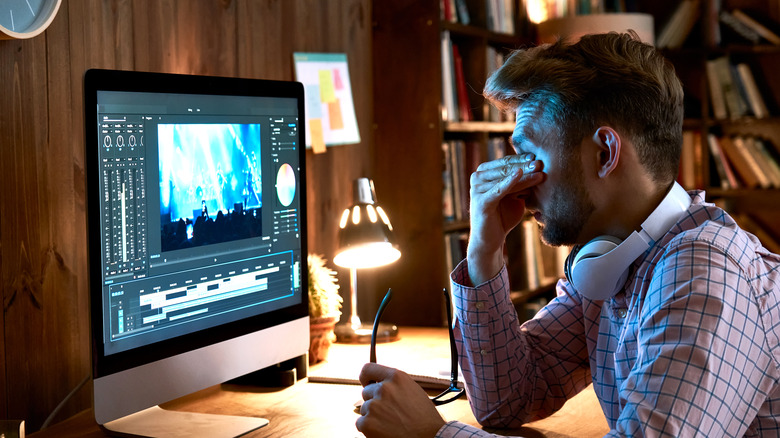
pixel 196 214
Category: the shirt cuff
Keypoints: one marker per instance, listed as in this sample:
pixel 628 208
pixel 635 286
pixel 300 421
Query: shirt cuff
pixel 456 429
pixel 477 304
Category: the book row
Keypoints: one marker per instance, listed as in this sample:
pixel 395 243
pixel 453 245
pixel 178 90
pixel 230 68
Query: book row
pixel 460 159
pixel 499 14
pixel 734 92
pixel 736 162
pixel 456 105
pixel 725 27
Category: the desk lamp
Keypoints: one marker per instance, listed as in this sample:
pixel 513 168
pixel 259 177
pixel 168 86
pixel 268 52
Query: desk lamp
pixel 366 240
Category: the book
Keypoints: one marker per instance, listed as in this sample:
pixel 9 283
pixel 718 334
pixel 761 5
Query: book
pixel 507 11
pixel 691 17
pixel 449 107
pixel 710 29
pixel 492 20
pixel 463 12
pixel 759 28
pixel 679 25
pixel 717 100
pixel 727 179
pixel 743 147
pixel 447 194
pixel 765 160
pixel 448 12
pixel 500 16
pixel 461 158
pixel 464 107
pixel 489 112
pixel 457 166
pixel 743 168
pixel 494 60
pixel 735 103
pixel 771 149
pixel 739 28
pixel 754 98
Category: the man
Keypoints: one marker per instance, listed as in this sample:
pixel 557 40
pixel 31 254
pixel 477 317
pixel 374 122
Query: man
pixel 685 344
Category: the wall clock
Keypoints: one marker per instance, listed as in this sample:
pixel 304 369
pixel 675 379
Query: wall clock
pixel 26 18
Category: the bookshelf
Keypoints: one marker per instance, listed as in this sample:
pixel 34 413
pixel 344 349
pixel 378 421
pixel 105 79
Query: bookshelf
pixel 755 206
pixel 410 128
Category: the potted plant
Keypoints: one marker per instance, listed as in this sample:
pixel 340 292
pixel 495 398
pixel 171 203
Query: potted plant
pixel 324 308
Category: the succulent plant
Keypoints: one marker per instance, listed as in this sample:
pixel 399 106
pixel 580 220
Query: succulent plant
pixel 324 298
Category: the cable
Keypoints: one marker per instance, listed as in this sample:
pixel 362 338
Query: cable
pixel 62 403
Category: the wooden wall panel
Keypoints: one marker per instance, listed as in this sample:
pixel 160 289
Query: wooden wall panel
pixel 406 49
pixel 44 324
pixel 29 253
pixel 185 37
pixel 262 50
pixel 66 277
pixel 294 26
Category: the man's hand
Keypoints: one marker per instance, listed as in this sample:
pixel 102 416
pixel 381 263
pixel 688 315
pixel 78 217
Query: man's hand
pixel 395 405
pixel 498 191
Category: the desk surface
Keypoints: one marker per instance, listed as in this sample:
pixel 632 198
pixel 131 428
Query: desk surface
pixel 326 410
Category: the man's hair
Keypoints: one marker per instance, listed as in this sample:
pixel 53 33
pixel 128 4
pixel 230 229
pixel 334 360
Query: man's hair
pixel 610 79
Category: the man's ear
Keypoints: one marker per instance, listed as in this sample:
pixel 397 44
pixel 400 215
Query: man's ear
pixel 608 143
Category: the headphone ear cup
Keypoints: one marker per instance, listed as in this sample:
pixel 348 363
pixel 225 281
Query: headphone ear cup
pixel 579 275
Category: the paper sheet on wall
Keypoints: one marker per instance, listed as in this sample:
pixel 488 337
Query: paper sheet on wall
pixel 330 109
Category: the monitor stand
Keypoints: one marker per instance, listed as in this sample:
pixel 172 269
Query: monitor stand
pixel 157 422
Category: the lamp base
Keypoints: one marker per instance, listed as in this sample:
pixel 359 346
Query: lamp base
pixel 345 334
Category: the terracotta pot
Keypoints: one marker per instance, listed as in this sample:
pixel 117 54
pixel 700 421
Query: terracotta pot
pixel 320 337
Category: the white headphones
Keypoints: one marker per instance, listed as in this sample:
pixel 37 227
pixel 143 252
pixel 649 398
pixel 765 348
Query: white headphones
pixel 599 269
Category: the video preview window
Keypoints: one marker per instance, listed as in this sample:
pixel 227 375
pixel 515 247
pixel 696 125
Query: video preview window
pixel 210 183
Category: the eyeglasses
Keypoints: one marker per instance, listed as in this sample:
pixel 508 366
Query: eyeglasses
pixel 453 392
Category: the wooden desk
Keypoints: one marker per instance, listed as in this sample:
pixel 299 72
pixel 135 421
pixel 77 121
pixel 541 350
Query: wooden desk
pixel 326 410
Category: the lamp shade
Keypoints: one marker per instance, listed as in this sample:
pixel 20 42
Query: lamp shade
pixel 366 238
pixel 576 26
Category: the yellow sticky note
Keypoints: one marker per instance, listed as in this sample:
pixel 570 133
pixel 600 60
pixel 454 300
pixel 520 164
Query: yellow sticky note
pixel 334 114
pixel 317 139
pixel 327 92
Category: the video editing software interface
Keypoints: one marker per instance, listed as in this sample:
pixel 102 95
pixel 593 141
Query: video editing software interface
pixel 200 211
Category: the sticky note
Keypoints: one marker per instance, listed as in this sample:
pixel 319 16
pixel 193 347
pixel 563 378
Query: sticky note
pixel 327 93
pixel 313 102
pixel 337 82
pixel 335 116
pixel 317 139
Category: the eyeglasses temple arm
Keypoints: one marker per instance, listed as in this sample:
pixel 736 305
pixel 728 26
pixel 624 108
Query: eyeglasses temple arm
pixel 385 301
pixel 453 347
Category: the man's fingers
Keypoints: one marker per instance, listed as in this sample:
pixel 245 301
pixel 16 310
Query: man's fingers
pixel 507 160
pixel 369 392
pixel 504 173
pixel 498 184
pixel 373 372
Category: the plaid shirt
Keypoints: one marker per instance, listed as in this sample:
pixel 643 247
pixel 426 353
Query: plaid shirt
pixel 689 346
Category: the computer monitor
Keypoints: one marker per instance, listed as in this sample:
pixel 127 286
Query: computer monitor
pixel 196 215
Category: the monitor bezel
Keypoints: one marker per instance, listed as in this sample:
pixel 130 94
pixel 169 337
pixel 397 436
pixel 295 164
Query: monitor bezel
pixel 134 81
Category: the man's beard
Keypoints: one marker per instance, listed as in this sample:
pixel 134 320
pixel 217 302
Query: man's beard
pixel 567 211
